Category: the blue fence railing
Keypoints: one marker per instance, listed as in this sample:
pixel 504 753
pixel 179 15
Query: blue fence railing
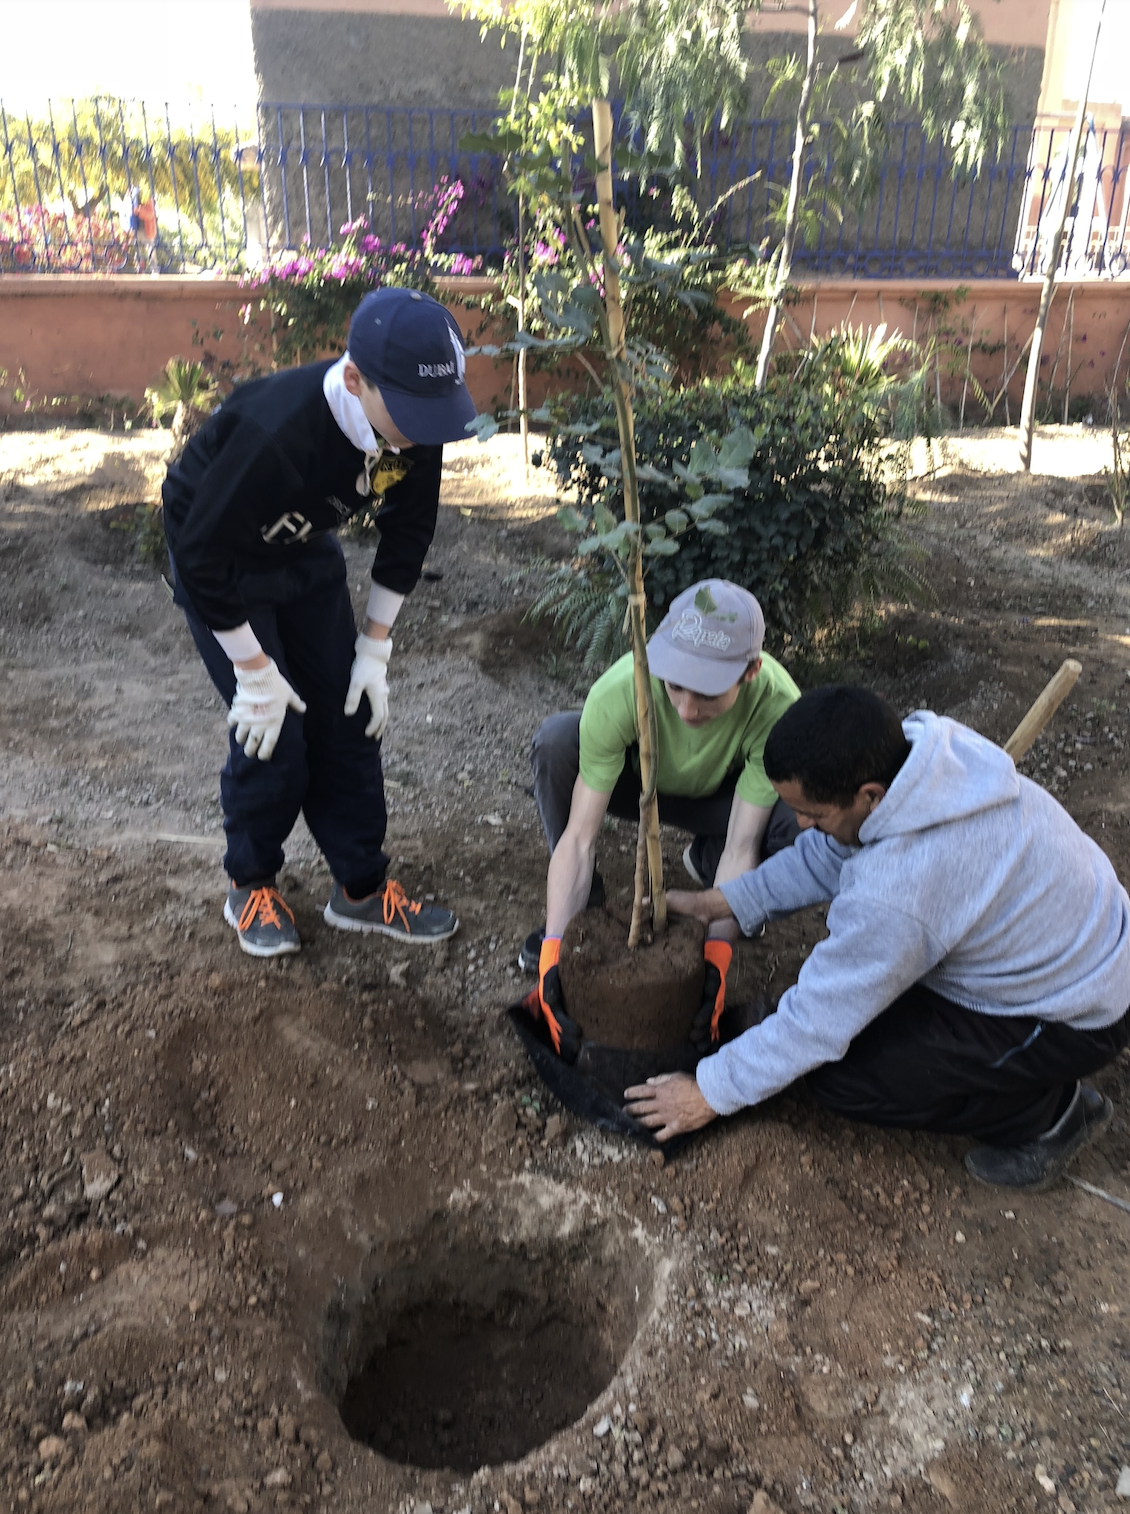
pixel 113 186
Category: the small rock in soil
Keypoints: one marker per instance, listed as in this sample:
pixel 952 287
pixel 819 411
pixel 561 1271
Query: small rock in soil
pixel 99 1176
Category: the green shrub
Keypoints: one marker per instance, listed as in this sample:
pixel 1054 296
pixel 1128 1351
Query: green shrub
pixel 817 512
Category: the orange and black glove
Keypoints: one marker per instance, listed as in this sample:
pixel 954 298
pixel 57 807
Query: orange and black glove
pixel 563 1032
pixel 705 1031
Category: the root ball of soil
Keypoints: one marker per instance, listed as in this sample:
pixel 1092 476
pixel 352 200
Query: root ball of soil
pixel 641 1000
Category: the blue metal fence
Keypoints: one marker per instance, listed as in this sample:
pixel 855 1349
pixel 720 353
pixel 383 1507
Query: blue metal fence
pixel 112 186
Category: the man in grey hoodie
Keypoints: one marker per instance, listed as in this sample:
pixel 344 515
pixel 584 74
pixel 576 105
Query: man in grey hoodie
pixel 977 964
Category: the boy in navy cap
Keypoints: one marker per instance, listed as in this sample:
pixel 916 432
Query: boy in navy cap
pixel 250 507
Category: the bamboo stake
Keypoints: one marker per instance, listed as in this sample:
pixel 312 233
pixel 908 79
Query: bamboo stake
pixel 1055 361
pixel 645 721
pixel 1070 343
pixel 968 369
pixel 784 267
pixel 1055 692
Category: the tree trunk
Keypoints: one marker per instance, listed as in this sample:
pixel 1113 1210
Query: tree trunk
pixel 649 849
pixel 523 411
pixel 1028 408
pixel 784 268
pixel 523 417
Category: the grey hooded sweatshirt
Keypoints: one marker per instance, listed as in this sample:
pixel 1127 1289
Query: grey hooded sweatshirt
pixel 969 879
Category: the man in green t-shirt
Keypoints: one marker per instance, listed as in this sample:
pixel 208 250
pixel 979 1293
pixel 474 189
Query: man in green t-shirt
pixel 716 697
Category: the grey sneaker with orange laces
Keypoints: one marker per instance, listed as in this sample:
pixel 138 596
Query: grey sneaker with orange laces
pixel 392 913
pixel 262 919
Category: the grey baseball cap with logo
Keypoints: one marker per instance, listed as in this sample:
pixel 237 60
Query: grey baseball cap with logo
pixel 707 639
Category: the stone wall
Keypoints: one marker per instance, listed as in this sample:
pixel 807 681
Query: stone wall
pixel 68 340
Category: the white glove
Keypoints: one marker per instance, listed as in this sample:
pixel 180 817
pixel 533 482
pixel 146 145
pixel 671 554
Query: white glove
pixel 259 708
pixel 370 676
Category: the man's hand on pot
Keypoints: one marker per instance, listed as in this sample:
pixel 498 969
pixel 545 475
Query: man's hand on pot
pixel 669 1105
pixel 706 905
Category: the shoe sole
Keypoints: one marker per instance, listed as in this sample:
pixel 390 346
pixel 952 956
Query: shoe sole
pixel 692 871
pixel 286 950
pixel 378 928
pixel 1082 1138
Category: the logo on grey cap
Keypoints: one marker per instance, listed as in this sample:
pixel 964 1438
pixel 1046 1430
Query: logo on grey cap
pixel 690 628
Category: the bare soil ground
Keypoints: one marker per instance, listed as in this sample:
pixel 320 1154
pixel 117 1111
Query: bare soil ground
pixel 308 1234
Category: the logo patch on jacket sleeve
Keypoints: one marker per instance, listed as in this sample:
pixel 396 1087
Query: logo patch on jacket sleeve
pixel 390 470
pixel 287 530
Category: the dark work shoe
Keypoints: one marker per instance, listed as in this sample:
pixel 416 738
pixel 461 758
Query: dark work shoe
pixel 702 857
pixel 391 913
pixel 692 862
pixel 1037 1163
pixel 261 918
pixel 529 957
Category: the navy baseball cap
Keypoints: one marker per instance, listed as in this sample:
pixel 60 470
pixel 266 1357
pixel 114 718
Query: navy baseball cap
pixel 409 346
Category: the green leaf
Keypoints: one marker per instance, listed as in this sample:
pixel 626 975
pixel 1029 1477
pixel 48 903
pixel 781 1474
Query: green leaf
pixel 650 475
pixel 705 601
pixel 677 520
pixel 713 527
pixel 604 519
pixel 733 478
pixel 737 448
pixel 483 427
pixel 571 519
pixel 703 460
pixel 664 548
pixel 705 506
pixel 654 531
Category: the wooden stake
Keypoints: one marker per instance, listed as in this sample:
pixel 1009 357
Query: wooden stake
pixel 1070 342
pixel 1055 692
pixel 1028 407
pixel 968 370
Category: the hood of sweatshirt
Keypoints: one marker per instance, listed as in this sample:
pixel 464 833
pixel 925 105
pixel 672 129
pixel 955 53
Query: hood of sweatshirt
pixel 951 774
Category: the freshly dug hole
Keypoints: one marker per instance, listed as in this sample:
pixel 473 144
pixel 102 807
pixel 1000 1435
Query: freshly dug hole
pixel 642 1000
pixel 472 1350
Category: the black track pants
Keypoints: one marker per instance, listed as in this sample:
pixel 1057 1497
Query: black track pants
pixel 324 765
pixel 928 1064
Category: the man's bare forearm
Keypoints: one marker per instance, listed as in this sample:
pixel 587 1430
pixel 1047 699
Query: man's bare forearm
pixel 707 906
